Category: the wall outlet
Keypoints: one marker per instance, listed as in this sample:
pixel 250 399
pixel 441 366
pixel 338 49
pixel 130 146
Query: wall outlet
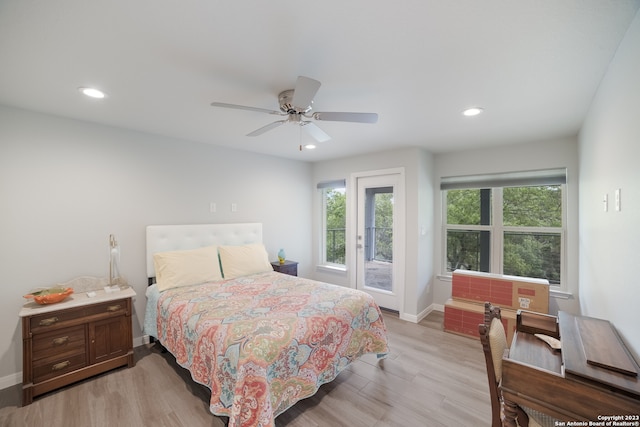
pixel 605 202
pixel 212 207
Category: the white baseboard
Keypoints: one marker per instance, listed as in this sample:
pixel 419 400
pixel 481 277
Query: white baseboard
pixel 438 307
pixel 10 380
pixel 424 313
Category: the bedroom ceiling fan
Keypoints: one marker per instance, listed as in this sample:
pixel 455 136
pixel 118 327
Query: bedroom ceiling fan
pixel 296 106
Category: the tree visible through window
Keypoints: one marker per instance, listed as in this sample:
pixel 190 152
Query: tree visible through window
pixel 382 228
pixel 532 219
pixel 335 210
pixel 524 226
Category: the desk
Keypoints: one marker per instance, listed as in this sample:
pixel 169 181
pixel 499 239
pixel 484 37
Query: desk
pixel 561 383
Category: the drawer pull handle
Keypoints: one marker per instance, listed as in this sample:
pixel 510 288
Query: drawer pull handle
pixel 61 340
pixel 60 365
pixel 113 307
pixel 49 321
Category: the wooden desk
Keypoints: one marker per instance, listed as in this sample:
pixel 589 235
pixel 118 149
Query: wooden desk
pixel 563 384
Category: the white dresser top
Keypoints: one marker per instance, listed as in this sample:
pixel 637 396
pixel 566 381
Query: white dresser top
pixel 75 300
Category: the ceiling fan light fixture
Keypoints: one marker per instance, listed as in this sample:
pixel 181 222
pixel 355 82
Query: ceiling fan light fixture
pixel 296 105
pixel 472 111
pixel 92 92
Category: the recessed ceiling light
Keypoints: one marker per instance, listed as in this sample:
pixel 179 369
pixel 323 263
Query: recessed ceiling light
pixel 473 111
pixel 310 146
pixel 91 92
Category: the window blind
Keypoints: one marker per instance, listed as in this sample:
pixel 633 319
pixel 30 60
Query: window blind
pixel 507 179
pixel 338 183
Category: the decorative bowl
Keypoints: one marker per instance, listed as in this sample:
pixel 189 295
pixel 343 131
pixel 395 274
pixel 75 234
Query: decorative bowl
pixel 50 296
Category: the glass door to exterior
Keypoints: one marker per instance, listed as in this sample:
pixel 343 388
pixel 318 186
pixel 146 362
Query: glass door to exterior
pixel 376 238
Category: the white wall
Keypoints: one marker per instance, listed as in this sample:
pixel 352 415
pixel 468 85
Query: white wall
pixel 517 157
pixel 609 153
pixel 66 185
pixel 418 267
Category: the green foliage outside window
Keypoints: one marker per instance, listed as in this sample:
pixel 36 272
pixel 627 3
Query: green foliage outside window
pixel 532 206
pixel 531 220
pixel 532 255
pixel 336 220
pixel 336 211
pixel 463 207
pixel 383 228
pixel 463 250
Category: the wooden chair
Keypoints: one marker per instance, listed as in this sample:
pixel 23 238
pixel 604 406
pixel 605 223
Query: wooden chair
pixel 494 344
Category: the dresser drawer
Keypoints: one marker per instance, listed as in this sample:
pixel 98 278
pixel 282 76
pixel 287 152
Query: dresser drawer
pixel 59 342
pixel 63 318
pixel 47 368
pixel 111 307
pixel 55 318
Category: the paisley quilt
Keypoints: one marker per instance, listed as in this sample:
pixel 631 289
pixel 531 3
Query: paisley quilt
pixel 261 343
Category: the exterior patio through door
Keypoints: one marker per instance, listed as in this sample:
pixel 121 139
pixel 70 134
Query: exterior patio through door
pixel 376 240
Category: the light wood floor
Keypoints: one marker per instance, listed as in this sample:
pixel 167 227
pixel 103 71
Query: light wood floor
pixel 431 378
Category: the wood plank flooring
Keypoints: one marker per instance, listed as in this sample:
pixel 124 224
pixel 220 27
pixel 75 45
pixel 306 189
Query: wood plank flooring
pixel 430 378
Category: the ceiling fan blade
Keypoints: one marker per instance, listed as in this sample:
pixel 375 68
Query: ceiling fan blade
pixel 313 130
pixel 266 128
pixel 347 117
pixel 304 92
pixel 243 107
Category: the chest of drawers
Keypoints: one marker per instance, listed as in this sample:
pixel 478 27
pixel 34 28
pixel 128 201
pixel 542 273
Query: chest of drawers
pixel 75 339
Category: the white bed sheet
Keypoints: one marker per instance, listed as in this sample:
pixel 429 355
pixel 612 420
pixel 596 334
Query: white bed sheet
pixel 150 326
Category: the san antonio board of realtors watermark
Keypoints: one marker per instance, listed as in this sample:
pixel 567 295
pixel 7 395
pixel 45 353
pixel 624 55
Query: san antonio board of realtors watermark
pixel 604 421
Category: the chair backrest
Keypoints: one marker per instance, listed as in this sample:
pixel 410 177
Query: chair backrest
pixel 494 342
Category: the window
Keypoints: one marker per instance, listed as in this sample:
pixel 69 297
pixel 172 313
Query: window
pixel 515 225
pixel 334 213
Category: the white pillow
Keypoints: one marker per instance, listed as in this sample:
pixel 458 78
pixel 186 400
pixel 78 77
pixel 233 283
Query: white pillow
pixel 244 260
pixel 186 268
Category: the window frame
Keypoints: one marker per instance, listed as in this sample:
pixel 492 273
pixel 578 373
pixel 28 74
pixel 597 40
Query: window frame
pixel 323 188
pixel 497 228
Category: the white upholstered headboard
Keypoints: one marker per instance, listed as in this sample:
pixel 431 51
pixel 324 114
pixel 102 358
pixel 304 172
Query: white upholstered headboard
pixel 162 238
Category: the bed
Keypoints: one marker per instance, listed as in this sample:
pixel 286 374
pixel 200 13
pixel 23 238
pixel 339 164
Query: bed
pixel 258 339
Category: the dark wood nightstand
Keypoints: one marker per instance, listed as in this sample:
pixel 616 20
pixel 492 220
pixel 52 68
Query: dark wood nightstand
pixel 289 267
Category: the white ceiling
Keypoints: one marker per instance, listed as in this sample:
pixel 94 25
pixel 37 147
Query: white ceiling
pixel 533 65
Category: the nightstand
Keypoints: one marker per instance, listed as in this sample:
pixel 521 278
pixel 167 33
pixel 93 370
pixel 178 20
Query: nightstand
pixel 74 339
pixel 289 267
